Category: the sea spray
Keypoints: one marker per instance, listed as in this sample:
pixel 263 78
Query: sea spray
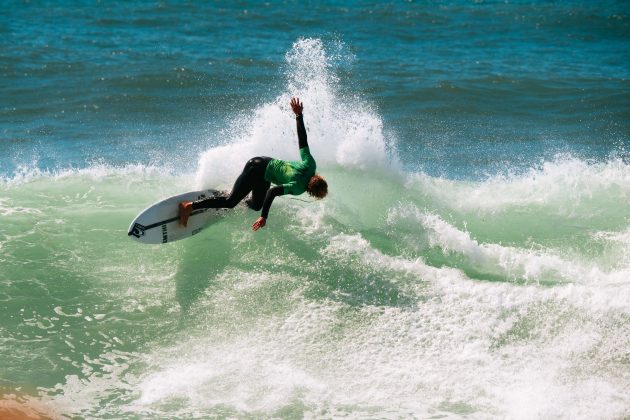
pixel 342 131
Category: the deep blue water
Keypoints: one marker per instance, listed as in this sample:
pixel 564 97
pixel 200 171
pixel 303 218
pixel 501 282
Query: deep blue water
pixel 464 88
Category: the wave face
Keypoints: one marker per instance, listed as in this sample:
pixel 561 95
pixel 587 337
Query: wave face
pixel 400 295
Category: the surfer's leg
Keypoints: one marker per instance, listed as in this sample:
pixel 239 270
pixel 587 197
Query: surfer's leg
pixel 251 176
pixel 261 185
pixel 259 192
pixel 242 186
pixel 251 179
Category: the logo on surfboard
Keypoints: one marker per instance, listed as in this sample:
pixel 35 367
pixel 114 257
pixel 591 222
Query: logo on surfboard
pixel 137 230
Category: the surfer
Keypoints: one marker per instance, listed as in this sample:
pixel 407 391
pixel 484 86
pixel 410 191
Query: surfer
pixel 289 177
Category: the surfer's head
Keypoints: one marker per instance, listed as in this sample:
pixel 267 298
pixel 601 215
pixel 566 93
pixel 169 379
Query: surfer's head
pixel 317 187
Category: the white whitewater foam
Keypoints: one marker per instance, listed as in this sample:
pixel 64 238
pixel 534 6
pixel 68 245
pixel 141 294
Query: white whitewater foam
pixel 515 263
pixel 563 184
pixel 457 352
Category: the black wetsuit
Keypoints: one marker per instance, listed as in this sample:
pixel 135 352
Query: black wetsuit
pixel 256 180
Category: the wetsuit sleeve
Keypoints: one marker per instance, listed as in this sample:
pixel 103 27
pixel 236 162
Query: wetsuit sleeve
pixel 307 159
pixel 271 194
pixel 301 131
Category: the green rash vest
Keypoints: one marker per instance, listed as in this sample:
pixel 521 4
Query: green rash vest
pixel 293 176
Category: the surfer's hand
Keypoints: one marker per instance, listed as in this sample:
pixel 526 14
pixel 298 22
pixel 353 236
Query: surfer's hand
pixel 260 222
pixel 297 106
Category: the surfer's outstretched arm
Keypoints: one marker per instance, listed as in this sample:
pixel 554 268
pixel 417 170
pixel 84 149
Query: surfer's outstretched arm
pixel 298 107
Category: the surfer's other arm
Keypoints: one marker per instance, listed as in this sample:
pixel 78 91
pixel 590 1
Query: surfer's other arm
pixel 271 194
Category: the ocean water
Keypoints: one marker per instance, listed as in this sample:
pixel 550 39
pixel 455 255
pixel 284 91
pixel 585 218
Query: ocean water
pixel 472 259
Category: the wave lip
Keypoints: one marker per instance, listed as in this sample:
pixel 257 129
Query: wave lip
pixel 564 183
pixel 515 263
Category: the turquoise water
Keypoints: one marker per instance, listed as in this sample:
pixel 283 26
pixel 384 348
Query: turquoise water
pixel 471 261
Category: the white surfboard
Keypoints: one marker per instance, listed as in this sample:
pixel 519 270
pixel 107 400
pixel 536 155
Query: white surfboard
pixel 159 223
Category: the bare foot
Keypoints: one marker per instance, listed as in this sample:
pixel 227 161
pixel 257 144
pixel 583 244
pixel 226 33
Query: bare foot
pixel 185 208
